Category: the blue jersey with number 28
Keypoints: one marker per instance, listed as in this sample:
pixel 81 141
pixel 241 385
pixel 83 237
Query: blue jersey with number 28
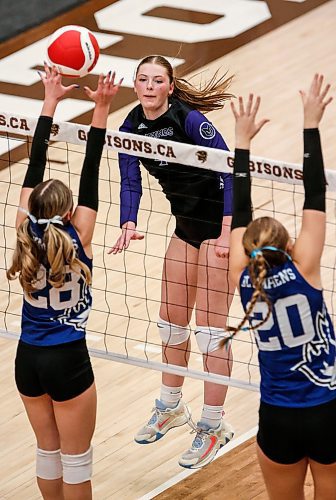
pixel 296 344
pixel 58 315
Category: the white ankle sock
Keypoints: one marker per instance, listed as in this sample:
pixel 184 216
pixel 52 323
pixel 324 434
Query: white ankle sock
pixel 170 396
pixel 212 415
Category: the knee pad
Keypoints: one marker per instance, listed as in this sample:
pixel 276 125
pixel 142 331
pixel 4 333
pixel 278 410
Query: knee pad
pixel 77 468
pixel 172 334
pixel 48 464
pixel 208 338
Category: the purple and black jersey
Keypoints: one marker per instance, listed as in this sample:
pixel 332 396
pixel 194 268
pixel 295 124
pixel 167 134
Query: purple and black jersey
pixel 198 197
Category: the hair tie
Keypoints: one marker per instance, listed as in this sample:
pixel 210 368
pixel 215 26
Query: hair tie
pixel 29 215
pixel 57 219
pixel 255 252
pixel 259 251
pixel 275 249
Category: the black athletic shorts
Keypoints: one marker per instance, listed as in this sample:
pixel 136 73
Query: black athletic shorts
pixel 195 231
pixel 287 435
pixel 63 371
pixel 197 204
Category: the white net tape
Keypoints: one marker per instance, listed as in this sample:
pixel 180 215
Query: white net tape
pixel 126 287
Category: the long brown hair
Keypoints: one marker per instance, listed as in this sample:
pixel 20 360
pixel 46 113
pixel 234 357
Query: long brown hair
pixel 207 98
pixel 262 232
pixel 55 247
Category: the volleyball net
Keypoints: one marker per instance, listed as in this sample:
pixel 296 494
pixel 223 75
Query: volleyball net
pixel 126 287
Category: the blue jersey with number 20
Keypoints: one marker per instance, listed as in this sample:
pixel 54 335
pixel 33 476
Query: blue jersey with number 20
pixel 58 315
pixel 296 344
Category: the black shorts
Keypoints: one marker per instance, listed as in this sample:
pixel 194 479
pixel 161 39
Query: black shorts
pixel 194 231
pixel 63 371
pixel 287 435
pixel 197 202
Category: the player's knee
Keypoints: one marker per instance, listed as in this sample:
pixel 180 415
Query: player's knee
pixel 48 464
pixel 209 338
pixel 77 468
pixel 173 334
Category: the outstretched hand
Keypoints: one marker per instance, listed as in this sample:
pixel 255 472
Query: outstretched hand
pixel 128 233
pixel 103 96
pixel 246 125
pixel 54 90
pixel 315 101
pixel 106 89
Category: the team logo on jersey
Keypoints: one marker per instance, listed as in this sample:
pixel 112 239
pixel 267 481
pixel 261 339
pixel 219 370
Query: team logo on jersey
pixel 322 347
pixel 142 125
pixel 78 315
pixel 207 130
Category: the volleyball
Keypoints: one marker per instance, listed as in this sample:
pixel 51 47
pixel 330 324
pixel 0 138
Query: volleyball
pixel 74 50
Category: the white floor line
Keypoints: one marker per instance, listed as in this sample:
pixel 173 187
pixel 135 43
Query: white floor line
pixel 187 472
pixel 93 337
pixel 149 348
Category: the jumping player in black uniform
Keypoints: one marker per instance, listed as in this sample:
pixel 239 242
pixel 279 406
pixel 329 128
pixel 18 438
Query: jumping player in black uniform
pixel 196 262
pixel 53 259
pixel 281 292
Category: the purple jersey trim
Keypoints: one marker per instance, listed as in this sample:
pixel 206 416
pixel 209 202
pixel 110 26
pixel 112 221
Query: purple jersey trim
pixel 203 133
pixel 130 178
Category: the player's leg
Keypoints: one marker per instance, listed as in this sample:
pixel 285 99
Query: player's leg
pixel 320 436
pixel 213 300
pixel 324 477
pixel 70 383
pixel 40 413
pixel 283 481
pixel 76 419
pixel 48 459
pixel 282 449
pixel 178 292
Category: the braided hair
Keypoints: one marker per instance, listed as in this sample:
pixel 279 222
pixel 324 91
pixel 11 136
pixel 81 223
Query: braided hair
pixel 265 241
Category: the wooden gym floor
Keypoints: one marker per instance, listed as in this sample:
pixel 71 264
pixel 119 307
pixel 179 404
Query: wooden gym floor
pixel 275 65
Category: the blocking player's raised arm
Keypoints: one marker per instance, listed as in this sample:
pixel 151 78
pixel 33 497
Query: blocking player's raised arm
pixel 308 248
pixel 85 214
pixel 54 91
pixel 246 128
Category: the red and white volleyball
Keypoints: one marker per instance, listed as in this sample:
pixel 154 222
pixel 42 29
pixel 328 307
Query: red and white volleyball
pixel 74 50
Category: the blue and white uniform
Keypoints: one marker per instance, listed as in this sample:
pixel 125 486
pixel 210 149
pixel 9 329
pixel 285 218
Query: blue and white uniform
pixel 52 356
pixel 56 316
pixel 297 346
